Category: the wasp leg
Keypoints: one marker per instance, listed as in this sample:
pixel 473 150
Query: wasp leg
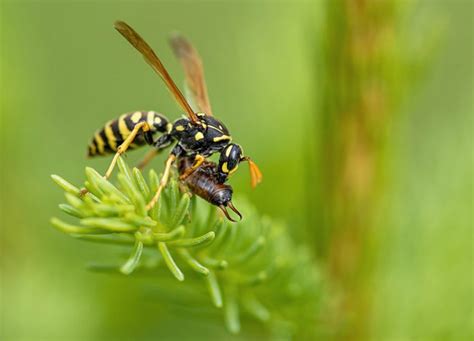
pixel 147 158
pixel 128 141
pixel 143 126
pixel 198 160
pixel 161 143
pixel 163 181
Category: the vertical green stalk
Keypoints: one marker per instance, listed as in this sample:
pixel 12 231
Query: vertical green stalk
pixel 359 96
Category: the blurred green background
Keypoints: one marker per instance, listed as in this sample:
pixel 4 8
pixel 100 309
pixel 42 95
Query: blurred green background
pixel 280 77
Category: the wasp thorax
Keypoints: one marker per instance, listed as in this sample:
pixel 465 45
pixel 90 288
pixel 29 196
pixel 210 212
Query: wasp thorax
pixel 216 131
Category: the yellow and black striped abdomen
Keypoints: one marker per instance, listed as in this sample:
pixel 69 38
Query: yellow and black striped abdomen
pixel 112 135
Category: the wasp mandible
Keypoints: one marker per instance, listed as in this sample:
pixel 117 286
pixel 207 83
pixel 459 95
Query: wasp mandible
pixel 195 137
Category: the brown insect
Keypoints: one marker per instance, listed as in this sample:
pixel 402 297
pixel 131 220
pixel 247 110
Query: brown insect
pixel 204 183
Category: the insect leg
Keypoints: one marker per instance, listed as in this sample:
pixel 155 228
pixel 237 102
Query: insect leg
pixel 175 153
pixel 198 160
pixel 128 141
pixel 163 181
pixel 124 146
pixel 161 143
pixel 147 158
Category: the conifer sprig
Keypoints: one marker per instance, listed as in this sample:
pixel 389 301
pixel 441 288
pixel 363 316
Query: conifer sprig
pixel 252 266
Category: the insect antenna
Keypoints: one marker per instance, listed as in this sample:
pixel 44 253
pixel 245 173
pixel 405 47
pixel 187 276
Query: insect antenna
pixel 255 173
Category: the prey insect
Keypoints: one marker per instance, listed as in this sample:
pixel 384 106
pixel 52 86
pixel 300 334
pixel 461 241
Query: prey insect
pixel 205 184
pixel 194 138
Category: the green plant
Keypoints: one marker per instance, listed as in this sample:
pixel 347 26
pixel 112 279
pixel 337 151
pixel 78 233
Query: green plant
pixel 252 265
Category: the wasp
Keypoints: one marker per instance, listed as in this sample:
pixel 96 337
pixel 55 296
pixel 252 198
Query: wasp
pixel 195 137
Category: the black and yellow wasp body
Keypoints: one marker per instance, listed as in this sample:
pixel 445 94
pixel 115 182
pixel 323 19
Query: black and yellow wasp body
pixel 196 136
pixel 203 140
pixel 209 137
pixel 115 132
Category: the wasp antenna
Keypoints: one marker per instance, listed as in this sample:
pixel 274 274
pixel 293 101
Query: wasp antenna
pixel 255 173
pixel 224 210
pixel 232 207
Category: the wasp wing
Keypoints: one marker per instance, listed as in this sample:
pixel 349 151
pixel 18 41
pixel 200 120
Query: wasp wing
pixel 152 59
pixel 194 71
